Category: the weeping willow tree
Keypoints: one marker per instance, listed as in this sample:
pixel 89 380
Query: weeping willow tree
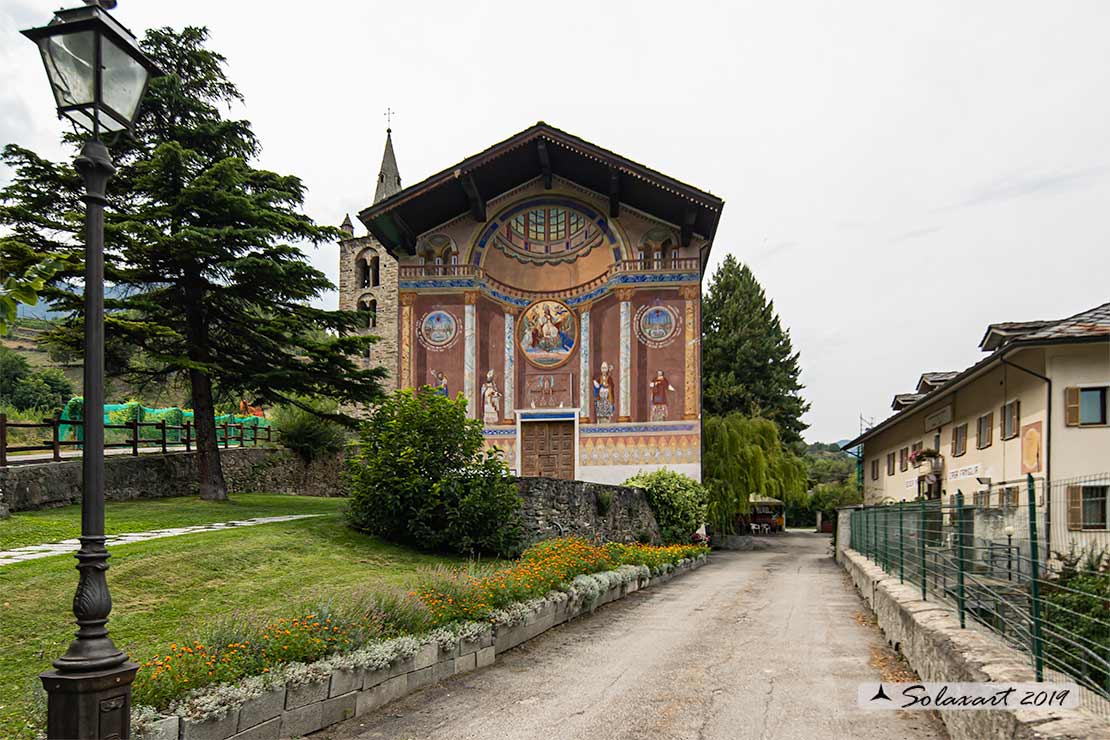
pixel 744 457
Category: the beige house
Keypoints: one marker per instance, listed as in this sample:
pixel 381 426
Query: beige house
pixel 1035 405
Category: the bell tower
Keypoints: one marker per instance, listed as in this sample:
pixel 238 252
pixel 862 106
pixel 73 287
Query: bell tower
pixel 368 276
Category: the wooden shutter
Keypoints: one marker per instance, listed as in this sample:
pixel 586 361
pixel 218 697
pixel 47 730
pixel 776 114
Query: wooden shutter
pixel 990 430
pixel 1071 407
pixel 952 451
pixel 1015 411
pixel 1075 508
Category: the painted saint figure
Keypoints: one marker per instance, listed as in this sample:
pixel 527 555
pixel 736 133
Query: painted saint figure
pixel 603 394
pixel 659 388
pixel 439 383
pixel 491 400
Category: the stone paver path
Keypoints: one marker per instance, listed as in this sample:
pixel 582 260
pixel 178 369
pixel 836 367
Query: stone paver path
pixel 68 547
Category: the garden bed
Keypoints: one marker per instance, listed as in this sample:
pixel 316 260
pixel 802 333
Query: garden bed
pixel 300 698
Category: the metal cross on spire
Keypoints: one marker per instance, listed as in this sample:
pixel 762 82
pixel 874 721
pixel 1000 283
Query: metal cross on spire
pixel 389 113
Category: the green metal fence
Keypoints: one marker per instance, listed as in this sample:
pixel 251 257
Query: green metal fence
pixel 1002 559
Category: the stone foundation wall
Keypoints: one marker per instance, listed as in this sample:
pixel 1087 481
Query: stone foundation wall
pixel 45 485
pixel 553 508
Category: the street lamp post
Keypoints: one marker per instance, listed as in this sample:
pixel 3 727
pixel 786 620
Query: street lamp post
pixel 98 75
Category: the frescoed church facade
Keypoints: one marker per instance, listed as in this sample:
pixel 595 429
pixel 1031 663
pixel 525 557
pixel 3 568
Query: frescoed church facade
pixel 556 285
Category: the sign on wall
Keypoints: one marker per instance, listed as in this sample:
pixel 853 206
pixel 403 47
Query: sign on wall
pixel 938 418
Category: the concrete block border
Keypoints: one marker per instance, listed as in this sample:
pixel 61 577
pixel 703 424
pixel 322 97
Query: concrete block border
pixel 328 696
pixel 929 636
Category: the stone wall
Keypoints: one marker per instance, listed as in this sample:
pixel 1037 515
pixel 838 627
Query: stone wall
pixel 44 485
pixel 593 510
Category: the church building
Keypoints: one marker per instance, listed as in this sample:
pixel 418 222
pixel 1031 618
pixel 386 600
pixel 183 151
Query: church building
pixel 557 286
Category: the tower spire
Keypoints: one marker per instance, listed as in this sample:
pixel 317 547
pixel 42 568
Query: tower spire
pixel 389 179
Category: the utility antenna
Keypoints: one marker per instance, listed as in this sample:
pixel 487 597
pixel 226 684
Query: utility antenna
pixel 389 113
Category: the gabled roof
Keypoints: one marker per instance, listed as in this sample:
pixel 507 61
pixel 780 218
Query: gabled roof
pixel 931 381
pixel 1092 325
pixel 539 151
pixel 902 400
pixel 997 334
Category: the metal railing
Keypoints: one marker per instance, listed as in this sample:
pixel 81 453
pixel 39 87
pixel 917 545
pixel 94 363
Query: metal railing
pixel 988 558
pixel 15 437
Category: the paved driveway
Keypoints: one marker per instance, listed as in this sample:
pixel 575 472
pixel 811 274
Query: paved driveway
pixel 763 644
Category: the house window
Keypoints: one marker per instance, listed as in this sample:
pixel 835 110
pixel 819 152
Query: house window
pixel 959 440
pixel 890 463
pixel 1087 507
pixel 1010 419
pixel 984 429
pixel 982 499
pixel 936 441
pixel 375 272
pixel 904 459
pixel 875 469
pixel 1008 497
pixel 1092 406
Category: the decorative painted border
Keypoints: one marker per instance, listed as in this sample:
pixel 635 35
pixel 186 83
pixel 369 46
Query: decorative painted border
pixel 649 427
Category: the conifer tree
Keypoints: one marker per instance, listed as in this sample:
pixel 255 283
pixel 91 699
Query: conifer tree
pixel 748 363
pixel 201 245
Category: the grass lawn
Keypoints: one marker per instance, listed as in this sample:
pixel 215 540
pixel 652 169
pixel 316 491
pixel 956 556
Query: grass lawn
pixel 54 525
pixel 163 590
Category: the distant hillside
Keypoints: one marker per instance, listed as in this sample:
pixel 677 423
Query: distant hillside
pixel 827 463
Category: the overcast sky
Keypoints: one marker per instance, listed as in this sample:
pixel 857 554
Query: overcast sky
pixel 897 174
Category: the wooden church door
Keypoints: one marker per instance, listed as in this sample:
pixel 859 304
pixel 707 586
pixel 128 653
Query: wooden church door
pixel 548 449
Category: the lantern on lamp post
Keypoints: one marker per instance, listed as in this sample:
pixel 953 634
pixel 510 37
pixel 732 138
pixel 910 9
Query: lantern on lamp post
pixel 98 76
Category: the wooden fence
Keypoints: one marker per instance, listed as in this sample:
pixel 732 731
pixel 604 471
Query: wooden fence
pixel 135 439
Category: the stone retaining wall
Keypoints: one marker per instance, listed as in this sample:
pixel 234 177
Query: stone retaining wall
pixel 153 475
pixel 929 636
pixel 553 508
pixel 293 711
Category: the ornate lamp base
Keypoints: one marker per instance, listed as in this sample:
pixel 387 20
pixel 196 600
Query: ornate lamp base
pixel 92 705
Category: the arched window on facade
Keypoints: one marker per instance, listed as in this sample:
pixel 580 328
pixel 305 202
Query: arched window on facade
pixel 658 250
pixel 370 307
pixel 375 271
pixel 362 273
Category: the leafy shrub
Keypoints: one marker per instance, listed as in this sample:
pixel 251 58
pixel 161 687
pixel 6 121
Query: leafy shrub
pixel 482 508
pixel 309 434
pixel 25 388
pixel 1076 603
pixel 131 411
pixel 677 501
pixel 13 368
pixel 32 392
pixel 59 384
pixel 420 478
